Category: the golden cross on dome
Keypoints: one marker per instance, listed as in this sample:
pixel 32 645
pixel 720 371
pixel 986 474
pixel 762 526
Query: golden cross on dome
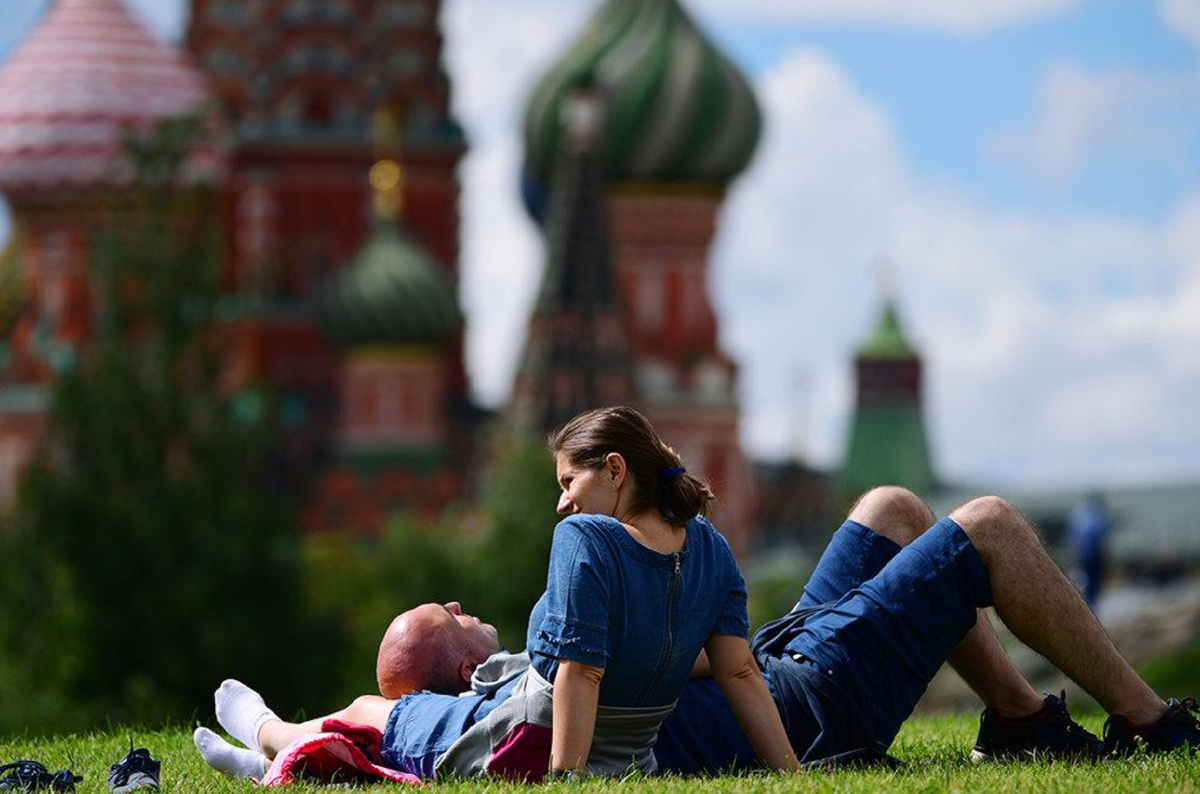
pixel 386 176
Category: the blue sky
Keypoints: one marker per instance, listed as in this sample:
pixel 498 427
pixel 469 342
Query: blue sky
pixel 1029 170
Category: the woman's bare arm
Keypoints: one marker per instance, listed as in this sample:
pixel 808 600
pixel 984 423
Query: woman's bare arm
pixel 576 696
pixel 736 673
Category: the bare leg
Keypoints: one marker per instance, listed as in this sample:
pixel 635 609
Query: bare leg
pixel 1044 610
pixel 901 516
pixel 371 710
pixel 981 661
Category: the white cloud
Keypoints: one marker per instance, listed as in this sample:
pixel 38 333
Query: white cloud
pixel 1075 111
pixel 1083 115
pixel 954 16
pixel 1182 16
pixel 1017 315
pixel 1056 350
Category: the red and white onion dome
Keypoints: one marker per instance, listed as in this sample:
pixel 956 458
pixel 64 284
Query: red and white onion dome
pixel 86 75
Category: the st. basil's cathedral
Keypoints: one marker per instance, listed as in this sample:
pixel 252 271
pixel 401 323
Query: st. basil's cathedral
pixel 336 156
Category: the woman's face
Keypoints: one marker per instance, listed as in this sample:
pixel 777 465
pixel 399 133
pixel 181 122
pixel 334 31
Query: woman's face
pixel 586 490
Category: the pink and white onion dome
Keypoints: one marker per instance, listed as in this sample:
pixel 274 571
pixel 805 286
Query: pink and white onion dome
pixel 88 74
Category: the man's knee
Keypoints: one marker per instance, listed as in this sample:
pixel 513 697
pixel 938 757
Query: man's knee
pixel 363 707
pixel 894 512
pixel 990 519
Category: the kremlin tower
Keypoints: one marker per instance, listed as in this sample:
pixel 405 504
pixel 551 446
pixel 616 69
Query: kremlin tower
pixel 888 442
pixel 680 123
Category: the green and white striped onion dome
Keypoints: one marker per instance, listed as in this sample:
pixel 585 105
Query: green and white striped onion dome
pixel 392 293
pixel 676 109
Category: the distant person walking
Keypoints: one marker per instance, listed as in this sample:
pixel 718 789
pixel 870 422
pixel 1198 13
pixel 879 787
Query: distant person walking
pixel 1088 526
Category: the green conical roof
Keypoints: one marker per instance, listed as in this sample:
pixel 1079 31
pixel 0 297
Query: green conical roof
pixel 888 446
pixel 391 293
pixel 677 109
pixel 888 339
pixel 888 442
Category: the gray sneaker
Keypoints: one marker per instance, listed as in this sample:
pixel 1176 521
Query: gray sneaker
pixel 136 770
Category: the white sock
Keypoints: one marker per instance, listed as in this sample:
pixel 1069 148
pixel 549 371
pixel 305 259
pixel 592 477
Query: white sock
pixel 228 759
pixel 241 712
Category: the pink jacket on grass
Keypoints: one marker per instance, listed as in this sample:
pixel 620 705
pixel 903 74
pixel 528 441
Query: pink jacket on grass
pixel 342 753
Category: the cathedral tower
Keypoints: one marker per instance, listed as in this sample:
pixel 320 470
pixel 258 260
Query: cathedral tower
pixel 298 85
pixel 681 123
pixel 392 311
pixel 577 350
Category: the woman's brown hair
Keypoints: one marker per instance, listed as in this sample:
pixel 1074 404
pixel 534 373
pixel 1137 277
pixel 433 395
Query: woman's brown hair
pixel 658 474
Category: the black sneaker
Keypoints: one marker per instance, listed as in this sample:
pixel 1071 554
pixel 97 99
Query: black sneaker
pixel 26 776
pixel 136 770
pixel 1047 733
pixel 1177 728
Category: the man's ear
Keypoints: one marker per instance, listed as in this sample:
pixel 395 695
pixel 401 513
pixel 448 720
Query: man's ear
pixel 466 670
pixel 617 469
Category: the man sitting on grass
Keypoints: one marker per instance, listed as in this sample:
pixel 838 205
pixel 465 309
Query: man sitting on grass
pixel 894 596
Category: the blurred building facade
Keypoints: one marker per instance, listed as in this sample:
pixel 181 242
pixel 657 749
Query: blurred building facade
pixel 305 98
pixel 86 74
pixel 577 352
pixel 343 290
pixel 311 95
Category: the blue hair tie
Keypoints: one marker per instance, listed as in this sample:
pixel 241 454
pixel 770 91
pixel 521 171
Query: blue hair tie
pixel 670 474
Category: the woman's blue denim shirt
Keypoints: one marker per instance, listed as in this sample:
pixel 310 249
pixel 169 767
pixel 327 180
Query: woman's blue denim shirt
pixel 641 615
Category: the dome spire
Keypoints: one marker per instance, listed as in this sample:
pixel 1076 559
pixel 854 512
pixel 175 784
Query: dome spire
pixel 387 180
pixel 577 352
pixel 392 292
pixel 387 175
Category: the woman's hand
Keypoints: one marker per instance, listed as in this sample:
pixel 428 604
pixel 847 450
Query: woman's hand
pixel 576 695
pixel 737 674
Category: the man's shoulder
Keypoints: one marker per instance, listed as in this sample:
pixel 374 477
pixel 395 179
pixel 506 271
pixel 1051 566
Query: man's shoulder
pixel 497 670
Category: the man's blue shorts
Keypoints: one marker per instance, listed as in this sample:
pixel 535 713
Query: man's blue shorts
pixel 884 617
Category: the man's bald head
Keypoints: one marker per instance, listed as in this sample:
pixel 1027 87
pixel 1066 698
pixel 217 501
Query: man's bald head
pixel 432 647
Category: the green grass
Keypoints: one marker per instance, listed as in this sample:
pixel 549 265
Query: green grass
pixel 933 752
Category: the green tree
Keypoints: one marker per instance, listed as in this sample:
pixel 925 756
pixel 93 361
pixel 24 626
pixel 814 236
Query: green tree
pixel 493 560
pixel 146 562
pixel 360 583
pixel 513 552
